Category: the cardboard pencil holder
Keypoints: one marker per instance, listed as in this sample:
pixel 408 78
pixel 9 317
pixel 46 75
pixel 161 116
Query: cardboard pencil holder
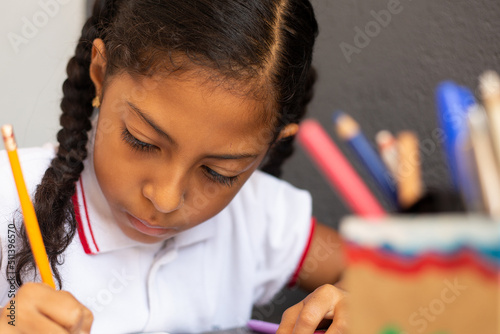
pixel 416 274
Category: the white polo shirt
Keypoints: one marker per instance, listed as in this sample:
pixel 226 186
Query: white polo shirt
pixel 203 279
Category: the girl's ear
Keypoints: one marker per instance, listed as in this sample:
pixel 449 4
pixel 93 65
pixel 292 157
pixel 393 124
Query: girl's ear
pixel 98 65
pixel 289 130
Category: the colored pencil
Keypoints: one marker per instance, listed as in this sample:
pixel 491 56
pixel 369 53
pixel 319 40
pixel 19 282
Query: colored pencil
pixel 490 93
pixel 337 170
pixel 30 220
pixel 410 188
pixel 268 327
pixel 387 147
pixel 453 102
pixel 466 169
pixel 348 130
pixel 487 168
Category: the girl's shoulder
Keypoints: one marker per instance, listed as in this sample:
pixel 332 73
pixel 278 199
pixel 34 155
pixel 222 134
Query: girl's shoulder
pixel 271 191
pixel 29 157
pixel 266 205
pixel 34 162
pixel 261 181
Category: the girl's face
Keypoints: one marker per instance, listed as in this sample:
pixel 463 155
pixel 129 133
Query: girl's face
pixel 170 154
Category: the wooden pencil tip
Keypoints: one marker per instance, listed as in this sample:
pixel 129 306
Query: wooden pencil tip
pixel 336 115
pixel 8 137
pixel 489 84
pixel 385 139
pixel 345 126
pixel 7 130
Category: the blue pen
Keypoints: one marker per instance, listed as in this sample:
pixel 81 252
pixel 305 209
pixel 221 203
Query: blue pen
pixel 453 102
pixel 349 130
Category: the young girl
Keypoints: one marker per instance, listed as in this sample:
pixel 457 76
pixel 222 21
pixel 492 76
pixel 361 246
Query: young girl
pixel 153 211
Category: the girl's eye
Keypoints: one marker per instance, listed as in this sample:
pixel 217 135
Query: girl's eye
pixel 213 176
pixel 135 143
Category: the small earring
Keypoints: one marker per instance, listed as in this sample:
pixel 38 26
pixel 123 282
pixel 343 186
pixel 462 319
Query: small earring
pixel 96 102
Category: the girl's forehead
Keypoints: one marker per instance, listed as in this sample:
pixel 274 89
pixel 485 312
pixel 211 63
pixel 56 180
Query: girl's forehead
pixel 211 106
pixel 249 100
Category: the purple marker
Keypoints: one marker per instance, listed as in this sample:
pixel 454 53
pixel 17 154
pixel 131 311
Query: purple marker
pixel 262 326
pixel 267 327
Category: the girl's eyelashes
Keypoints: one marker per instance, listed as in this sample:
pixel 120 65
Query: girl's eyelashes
pixel 135 143
pixel 216 177
pixel 212 175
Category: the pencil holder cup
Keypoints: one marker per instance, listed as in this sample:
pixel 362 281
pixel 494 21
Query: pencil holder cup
pixel 415 274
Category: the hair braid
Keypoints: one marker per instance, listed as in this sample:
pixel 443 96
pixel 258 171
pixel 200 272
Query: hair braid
pixel 284 148
pixel 52 200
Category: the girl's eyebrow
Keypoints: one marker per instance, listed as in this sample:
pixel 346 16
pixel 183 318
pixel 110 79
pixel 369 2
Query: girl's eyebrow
pixel 232 156
pixel 151 123
pixel 162 133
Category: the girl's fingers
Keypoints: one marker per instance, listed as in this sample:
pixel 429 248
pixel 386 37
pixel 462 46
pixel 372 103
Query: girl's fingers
pixel 340 319
pixel 65 310
pixel 318 305
pixel 326 302
pixel 88 319
pixel 58 306
pixel 41 324
pixel 289 318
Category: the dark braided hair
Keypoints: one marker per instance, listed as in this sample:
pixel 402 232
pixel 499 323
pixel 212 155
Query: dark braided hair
pixel 52 200
pixel 264 45
pixel 283 149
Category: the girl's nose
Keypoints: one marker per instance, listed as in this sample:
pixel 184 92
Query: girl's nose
pixel 166 196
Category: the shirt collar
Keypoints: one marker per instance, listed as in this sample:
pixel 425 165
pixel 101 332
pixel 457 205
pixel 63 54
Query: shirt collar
pixel 97 228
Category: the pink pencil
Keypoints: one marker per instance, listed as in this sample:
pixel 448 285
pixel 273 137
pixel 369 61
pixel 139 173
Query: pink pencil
pixel 337 170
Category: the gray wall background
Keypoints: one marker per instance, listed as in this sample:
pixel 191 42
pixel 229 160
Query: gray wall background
pixel 37 39
pixel 390 83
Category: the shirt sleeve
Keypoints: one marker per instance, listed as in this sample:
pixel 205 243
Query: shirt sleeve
pixel 293 280
pixel 285 236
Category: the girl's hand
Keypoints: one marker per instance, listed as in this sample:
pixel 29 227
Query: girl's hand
pixel 40 309
pixel 326 304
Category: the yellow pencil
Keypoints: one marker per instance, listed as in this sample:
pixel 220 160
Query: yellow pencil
pixel 30 220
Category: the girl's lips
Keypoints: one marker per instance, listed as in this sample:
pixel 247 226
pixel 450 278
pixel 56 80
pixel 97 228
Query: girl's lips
pixel 145 228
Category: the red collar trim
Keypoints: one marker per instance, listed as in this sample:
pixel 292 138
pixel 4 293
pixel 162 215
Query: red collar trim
pixel 83 222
